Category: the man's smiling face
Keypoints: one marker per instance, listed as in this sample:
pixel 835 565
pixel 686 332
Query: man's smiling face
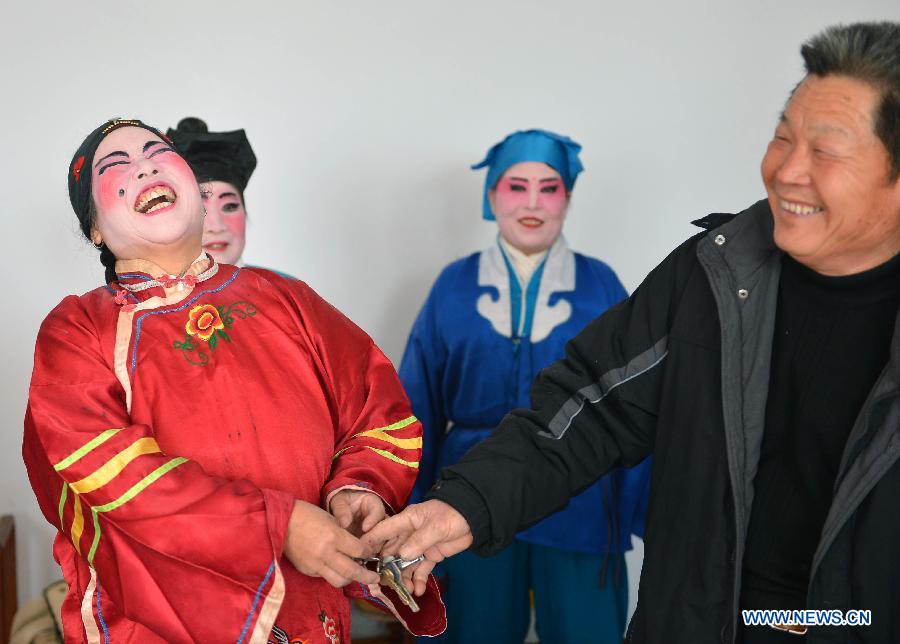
pixel 828 178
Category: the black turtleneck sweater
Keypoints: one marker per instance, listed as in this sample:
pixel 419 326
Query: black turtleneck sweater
pixel 832 340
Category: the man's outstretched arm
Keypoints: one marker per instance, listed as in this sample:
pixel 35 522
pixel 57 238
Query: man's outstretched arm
pixel 592 411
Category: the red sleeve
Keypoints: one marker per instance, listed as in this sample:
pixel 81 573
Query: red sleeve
pixel 378 441
pixel 190 556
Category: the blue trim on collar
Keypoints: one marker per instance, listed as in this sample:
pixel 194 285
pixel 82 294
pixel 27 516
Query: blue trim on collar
pixel 531 294
pixel 181 307
pixel 136 276
pixel 515 295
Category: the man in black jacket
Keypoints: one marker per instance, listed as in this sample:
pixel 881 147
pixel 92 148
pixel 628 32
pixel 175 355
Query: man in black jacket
pixel 760 364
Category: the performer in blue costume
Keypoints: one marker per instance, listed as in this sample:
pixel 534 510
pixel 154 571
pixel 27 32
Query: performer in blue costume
pixel 491 321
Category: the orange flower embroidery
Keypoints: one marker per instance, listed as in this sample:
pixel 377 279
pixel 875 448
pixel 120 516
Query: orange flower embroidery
pixel 210 324
pixel 203 321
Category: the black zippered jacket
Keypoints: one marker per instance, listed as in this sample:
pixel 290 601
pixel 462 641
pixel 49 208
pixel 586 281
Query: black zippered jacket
pixel 680 370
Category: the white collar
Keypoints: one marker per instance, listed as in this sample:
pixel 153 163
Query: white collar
pixel 524 265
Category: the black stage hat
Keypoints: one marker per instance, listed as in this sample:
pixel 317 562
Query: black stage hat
pixel 214 156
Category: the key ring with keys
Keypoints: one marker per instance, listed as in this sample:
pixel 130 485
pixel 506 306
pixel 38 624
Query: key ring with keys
pixel 389 570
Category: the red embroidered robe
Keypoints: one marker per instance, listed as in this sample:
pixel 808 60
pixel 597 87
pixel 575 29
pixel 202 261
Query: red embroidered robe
pixel 168 433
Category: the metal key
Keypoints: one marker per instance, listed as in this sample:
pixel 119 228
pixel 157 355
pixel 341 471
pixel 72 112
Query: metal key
pixel 389 570
pixel 403 564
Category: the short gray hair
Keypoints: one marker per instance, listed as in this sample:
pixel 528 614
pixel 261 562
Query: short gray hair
pixel 868 52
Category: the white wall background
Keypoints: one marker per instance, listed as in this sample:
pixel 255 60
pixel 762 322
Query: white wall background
pixel 365 116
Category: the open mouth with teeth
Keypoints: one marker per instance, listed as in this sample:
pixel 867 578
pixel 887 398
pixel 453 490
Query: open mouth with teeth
pixel 531 222
pixel 154 199
pixel 797 208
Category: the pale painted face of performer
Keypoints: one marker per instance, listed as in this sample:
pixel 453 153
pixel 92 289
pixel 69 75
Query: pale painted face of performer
pixel 147 200
pixel 530 203
pixel 827 174
pixel 224 228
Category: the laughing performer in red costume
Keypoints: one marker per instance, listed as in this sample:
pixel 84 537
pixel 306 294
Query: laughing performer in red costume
pixel 188 422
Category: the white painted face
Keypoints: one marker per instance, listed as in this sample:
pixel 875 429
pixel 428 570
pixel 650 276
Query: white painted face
pixel 225 225
pixel 530 203
pixel 147 199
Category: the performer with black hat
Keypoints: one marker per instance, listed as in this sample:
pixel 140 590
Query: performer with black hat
pixel 223 163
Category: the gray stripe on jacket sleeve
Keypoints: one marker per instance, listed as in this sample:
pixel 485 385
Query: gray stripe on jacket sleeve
pixel 594 393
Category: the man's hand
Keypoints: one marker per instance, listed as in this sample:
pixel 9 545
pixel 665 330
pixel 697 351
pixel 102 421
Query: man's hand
pixel 357 511
pixel 432 528
pixel 319 547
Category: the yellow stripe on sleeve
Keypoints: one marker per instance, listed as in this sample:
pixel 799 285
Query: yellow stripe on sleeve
pixel 77 524
pixel 109 470
pixel 402 443
pixel 382 434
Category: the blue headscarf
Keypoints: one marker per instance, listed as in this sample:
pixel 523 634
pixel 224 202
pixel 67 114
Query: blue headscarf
pixel 557 151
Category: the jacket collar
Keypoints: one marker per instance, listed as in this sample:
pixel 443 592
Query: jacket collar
pixel 746 241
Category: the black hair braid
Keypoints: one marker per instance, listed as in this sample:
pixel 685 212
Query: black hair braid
pixel 86 223
pixel 109 263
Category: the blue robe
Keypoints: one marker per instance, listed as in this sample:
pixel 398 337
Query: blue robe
pixel 474 350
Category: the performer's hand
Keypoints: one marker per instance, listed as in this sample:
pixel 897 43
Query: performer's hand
pixel 415 577
pixel 357 511
pixel 432 528
pixel 319 547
